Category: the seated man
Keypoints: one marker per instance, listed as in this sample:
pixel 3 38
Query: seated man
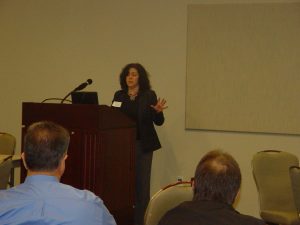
pixel 42 199
pixel 216 185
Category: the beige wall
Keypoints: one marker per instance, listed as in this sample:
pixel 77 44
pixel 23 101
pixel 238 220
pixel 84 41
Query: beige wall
pixel 47 47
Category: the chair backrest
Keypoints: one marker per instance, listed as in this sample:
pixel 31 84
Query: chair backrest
pixel 166 199
pixel 271 174
pixel 5 169
pixel 295 179
pixel 7 144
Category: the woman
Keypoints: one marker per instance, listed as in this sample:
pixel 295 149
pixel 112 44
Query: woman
pixel 139 102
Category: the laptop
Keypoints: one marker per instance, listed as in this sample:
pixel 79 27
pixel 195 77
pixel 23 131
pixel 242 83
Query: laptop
pixel 85 97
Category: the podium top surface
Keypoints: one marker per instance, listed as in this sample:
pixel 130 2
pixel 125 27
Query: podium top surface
pixel 75 115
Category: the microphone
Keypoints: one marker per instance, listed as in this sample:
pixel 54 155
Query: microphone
pixel 83 85
pixel 80 87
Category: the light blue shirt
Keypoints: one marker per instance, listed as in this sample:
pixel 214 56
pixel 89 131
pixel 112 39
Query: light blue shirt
pixel 43 200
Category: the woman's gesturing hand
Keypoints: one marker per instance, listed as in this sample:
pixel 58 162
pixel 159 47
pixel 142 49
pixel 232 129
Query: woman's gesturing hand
pixel 160 105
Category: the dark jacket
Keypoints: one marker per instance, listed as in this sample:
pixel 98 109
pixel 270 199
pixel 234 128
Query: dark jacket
pixel 207 213
pixel 147 117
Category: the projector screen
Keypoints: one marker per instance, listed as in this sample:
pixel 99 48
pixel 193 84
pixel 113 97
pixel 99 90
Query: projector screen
pixel 243 67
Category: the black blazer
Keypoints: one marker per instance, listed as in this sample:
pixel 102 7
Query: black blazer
pixel 146 117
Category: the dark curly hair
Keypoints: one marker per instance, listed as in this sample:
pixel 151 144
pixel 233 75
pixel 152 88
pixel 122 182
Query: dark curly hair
pixel 144 83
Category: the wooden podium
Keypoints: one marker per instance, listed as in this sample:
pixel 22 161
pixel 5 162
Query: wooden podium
pixel 101 155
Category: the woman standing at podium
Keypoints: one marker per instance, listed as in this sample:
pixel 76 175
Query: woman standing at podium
pixel 138 101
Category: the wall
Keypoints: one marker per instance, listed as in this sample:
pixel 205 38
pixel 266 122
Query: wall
pixel 49 47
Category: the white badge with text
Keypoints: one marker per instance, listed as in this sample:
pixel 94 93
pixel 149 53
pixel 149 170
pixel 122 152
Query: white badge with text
pixel 116 104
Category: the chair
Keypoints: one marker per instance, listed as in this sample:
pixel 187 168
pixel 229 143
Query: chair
pixel 295 180
pixel 7 147
pixel 166 199
pixel 5 169
pixel 7 144
pixel 271 174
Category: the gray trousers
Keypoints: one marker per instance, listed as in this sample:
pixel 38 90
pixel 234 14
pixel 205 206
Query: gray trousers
pixel 142 183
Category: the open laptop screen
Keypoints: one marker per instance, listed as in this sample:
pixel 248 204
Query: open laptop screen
pixel 84 97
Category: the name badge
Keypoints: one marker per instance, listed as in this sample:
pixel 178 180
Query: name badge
pixel 116 104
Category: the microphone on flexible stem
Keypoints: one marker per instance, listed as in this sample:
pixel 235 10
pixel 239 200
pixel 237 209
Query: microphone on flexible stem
pixel 83 85
pixel 80 87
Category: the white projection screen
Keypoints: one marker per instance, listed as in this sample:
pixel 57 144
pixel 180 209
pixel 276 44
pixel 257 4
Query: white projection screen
pixel 243 67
